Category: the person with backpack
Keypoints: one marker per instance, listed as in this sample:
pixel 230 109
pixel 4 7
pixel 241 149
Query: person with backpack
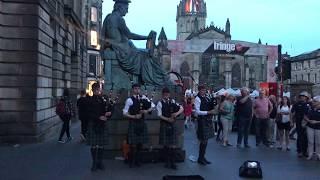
pixel 65 111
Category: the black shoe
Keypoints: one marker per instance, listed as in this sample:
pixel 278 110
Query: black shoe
pixel 202 162
pixel 137 164
pixel 94 167
pixel 266 144
pixel 173 166
pixel 167 165
pixel 206 161
pixel 100 166
pixel 246 146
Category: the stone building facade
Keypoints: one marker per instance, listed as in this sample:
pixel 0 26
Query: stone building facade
pixel 207 54
pixel 95 70
pixel 43 49
pixel 306 68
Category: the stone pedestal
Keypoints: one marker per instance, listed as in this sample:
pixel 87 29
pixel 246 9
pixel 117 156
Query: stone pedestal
pixel 119 82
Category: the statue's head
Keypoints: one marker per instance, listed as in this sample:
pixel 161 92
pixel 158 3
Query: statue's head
pixel 121 6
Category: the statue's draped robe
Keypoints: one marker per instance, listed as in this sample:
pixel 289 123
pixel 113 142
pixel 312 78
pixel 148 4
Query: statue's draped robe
pixel 131 59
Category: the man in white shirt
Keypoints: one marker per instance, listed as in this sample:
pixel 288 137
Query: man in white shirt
pixel 205 130
pixel 168 110
pixel 135 108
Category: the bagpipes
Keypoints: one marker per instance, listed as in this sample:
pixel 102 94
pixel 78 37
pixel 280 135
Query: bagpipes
pixel 110 102
pixel 174 107
pixel 212 101
pixel 146 103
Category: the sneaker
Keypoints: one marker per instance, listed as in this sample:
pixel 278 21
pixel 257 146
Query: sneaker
pixel 310 157
pixel 82 137
pixel 288 149
pixel 228 144
pixel 69 139
pixel 61 141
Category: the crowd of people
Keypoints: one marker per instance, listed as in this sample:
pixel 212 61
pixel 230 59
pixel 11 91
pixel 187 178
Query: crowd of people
pixel 274 120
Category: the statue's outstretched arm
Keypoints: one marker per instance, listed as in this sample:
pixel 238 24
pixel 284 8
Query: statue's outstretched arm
pixel 125 30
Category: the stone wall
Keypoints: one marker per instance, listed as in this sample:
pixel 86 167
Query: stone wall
pixel 39 57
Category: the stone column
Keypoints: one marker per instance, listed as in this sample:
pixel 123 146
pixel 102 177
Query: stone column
pixel 228 73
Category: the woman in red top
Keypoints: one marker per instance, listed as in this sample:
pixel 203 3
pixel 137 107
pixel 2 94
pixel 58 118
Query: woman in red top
pixel 187 112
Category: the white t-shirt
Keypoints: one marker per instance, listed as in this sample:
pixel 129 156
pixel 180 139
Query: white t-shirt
pixel 285 109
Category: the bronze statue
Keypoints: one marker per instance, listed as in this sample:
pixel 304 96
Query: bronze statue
pixel 117 36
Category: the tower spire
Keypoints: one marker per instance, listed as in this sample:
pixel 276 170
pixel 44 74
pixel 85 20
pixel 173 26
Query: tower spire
pixel 227 32
pixel 191 16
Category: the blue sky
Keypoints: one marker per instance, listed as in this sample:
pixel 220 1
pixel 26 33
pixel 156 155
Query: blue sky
pixel 292 23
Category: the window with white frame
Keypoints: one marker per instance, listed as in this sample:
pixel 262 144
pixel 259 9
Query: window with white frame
pixel 94 14
pixel 94 38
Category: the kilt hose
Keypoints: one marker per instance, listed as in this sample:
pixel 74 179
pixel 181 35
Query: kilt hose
pixel 97 135
pixel 168 134
pixel 137 132
pixel 205 129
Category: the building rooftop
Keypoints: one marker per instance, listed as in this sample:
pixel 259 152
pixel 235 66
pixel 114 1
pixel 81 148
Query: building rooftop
pixel 307 55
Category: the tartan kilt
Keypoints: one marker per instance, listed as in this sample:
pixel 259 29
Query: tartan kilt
pixel 97 137
pixel 133 137
pixel 164 137
pixel 205 129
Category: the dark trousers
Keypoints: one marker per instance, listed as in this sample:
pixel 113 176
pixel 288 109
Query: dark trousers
pixel 84 126
pixel 65 128
pixel 261 130
pixel 243 129
pixel 220 129
pixel 302 140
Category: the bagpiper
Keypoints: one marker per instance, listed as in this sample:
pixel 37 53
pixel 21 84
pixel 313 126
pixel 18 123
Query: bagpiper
pixel 204 109
pixel 98 112
pixel 135 109
pixel 168 110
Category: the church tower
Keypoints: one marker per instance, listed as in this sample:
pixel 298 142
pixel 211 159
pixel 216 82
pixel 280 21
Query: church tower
pixel 191 17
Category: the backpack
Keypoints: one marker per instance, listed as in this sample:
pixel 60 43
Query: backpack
pixel 62 108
